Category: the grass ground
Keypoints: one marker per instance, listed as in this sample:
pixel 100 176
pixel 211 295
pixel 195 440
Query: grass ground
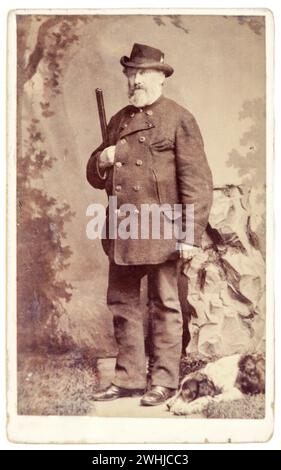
pixel 50 384
pixel 250 407
pixel 56 384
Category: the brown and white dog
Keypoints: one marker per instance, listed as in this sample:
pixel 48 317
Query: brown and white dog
pixel 226 379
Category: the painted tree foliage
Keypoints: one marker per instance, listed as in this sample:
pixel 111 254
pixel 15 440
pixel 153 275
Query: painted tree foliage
pixel 255 23
pixel 42 42
pixel 250 159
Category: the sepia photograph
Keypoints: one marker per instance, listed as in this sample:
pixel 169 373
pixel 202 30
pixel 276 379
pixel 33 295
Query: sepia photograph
pixel 139 214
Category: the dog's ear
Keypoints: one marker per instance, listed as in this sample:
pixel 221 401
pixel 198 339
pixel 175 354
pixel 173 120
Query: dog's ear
pixel 189 383
pixel 189 390
pixel 211 388
pixel 206 388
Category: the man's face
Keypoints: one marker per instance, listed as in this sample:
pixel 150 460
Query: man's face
pixel 144 85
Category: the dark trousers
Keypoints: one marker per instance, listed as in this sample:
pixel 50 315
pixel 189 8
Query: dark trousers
pixel 123 297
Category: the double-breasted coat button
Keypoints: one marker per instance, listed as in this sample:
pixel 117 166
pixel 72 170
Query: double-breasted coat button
pixel 132 115
pixel 141 110
pixel 139 162
pixel 149 112
pixel 149 124
pixel 118 187
pixel 123 141
pixel 118 164
pixel 142 138
pixel 137 187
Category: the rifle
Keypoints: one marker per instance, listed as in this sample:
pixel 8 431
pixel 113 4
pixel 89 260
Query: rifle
pixel 102 116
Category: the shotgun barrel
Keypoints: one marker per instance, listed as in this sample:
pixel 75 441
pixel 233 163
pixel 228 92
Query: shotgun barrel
pixel 102 116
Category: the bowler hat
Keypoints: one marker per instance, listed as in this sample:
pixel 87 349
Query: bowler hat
pixel 146 57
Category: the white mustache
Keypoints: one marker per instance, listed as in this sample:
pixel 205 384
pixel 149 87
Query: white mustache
pixel 136 88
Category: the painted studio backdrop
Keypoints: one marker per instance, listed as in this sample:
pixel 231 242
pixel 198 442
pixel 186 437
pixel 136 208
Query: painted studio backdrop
pixel 219 64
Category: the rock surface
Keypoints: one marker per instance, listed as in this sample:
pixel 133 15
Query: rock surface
pixel 225 286
pixel 226 279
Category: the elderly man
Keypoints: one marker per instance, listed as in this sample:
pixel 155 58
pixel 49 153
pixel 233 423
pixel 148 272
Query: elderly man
pixel 154 155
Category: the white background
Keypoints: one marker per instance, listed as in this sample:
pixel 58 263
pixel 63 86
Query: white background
pixel 275 442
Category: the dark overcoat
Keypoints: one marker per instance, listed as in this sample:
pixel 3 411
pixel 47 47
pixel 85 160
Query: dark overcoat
pixel 159 159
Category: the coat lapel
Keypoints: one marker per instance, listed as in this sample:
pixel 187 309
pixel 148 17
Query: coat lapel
pixel 133 120
pixel 139 122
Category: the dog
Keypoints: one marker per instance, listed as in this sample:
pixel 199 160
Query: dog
pixel 227 379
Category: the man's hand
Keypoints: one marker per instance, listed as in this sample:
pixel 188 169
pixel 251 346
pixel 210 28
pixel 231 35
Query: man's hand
pixel 187 252
pixel 106 158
